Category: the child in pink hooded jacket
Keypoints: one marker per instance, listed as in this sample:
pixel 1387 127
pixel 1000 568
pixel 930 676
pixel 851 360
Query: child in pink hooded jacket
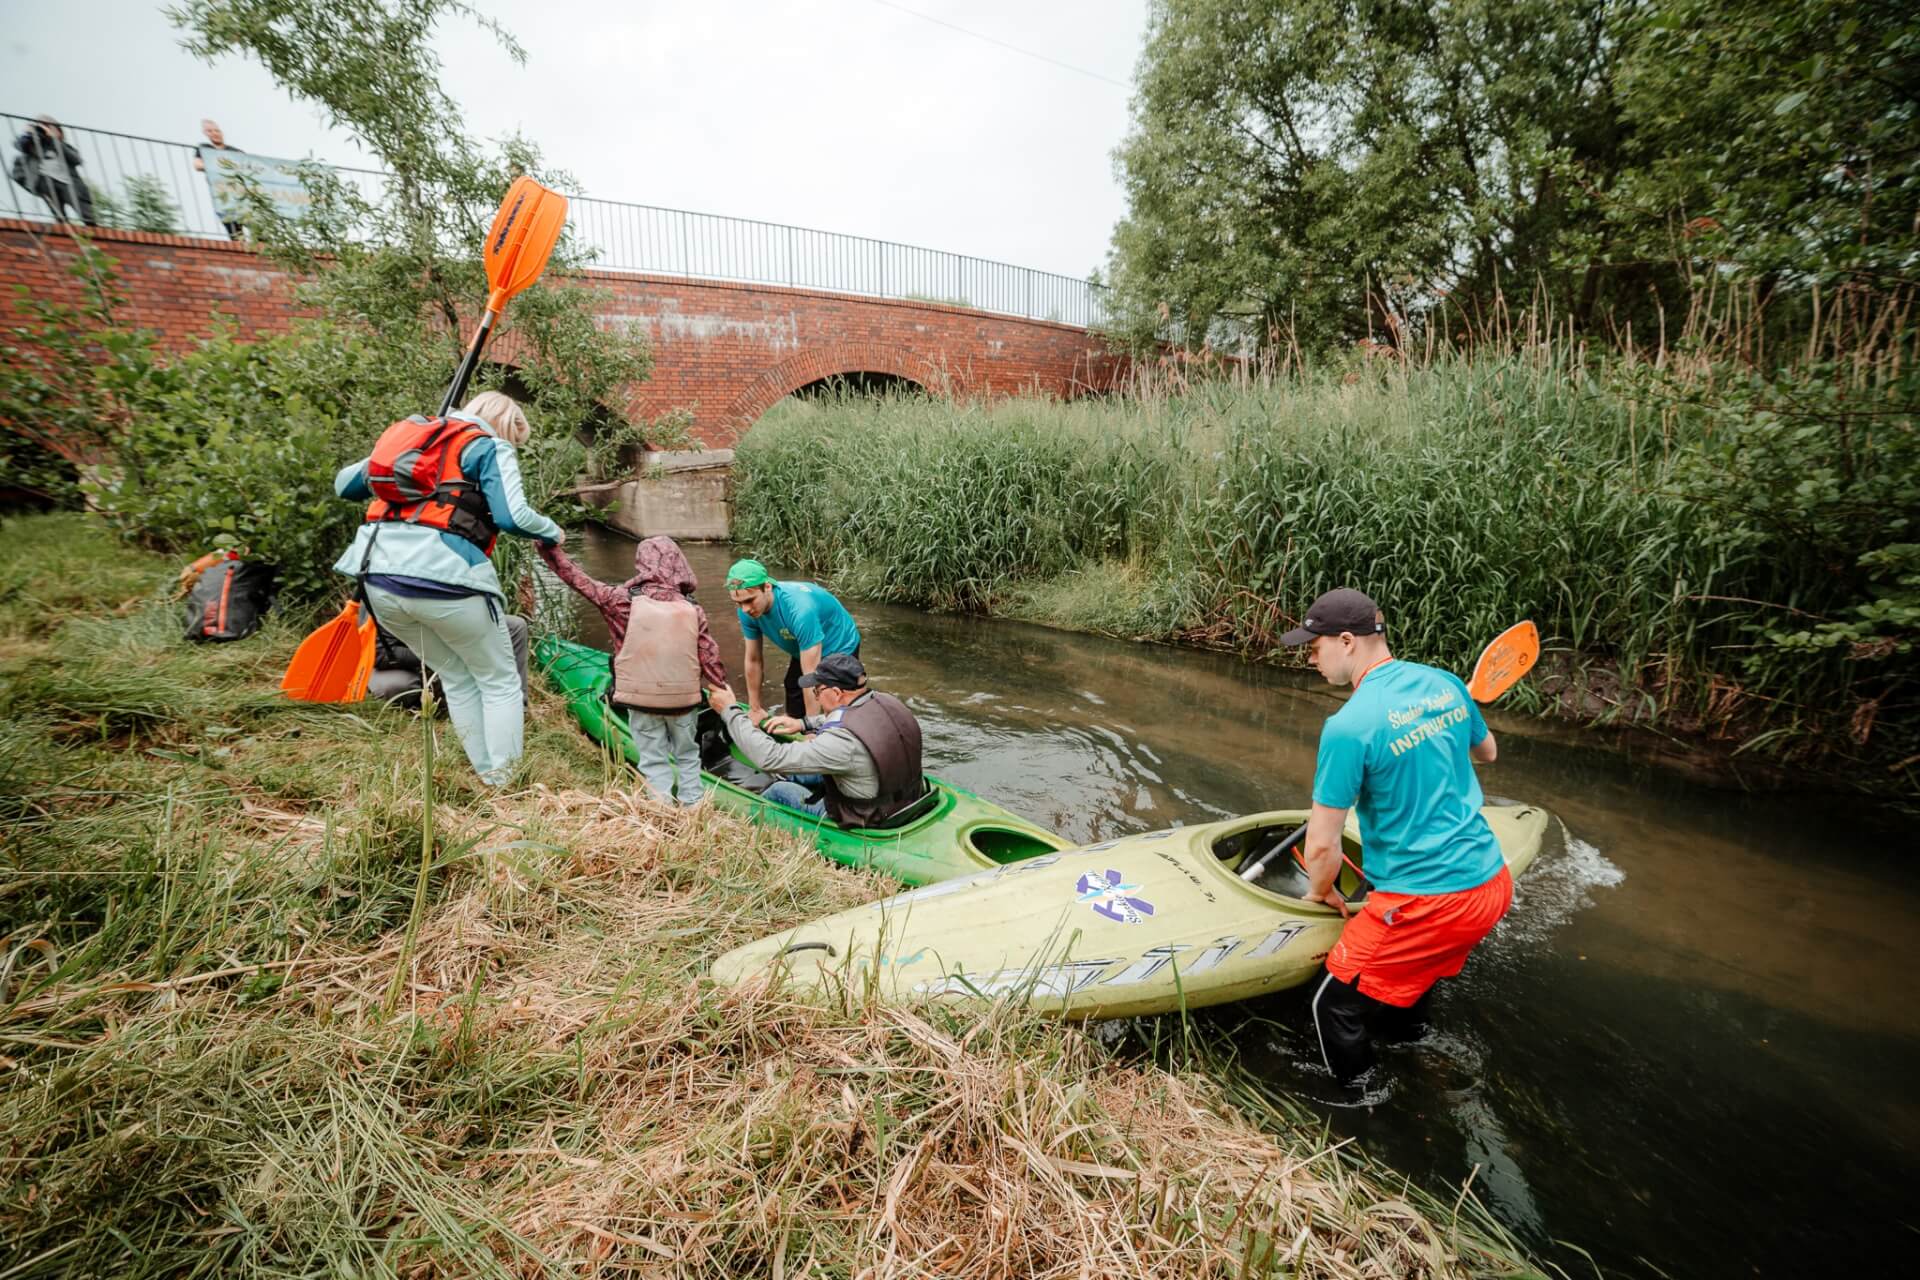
pixel 663 735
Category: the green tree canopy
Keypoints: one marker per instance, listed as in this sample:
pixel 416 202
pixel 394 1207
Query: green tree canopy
pixel 1330 168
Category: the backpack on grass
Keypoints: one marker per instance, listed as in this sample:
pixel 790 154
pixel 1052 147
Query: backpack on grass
pixel 230 600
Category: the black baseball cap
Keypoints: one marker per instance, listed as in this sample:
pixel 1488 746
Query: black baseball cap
pixel 836 671
pixel 1342 609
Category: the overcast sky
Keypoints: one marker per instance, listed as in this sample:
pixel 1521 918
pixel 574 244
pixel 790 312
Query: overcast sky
pixel 843 115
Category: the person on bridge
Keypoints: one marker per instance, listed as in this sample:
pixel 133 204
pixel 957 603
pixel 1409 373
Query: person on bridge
pixel 49 166
pixel 662 651
pixel 864 754
pixel 1402 750
pixel 441 493
pixel 801 618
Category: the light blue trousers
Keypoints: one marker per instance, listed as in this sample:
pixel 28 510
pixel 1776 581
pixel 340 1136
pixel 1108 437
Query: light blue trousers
pixel 669 755
pixel 465 641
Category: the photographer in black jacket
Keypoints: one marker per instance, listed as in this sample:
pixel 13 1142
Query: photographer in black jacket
pixel 49 166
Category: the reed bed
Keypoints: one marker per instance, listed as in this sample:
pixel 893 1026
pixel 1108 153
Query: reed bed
pixel 204 906
pixel 1463 494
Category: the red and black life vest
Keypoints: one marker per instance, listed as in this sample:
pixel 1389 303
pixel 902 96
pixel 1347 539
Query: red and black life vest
pixel 415 476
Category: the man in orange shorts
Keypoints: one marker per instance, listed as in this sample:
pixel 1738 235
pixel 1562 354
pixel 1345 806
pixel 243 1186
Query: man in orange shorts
pixel 1402 751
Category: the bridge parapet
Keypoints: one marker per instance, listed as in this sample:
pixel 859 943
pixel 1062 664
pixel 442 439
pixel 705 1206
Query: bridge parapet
pixel 723 350
pixel 154 181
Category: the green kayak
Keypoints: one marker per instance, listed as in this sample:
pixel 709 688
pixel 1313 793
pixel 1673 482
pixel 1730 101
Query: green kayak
pixel 950 833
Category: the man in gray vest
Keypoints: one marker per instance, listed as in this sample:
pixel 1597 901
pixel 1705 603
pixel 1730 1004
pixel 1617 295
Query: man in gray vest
pixel 864 753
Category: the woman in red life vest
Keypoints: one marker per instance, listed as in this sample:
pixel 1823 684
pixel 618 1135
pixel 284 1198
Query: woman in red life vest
pixel 439 493
pixel 663 655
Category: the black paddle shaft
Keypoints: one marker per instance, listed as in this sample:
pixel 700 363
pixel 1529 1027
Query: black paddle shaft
pixel 465 373
pixel 1261 864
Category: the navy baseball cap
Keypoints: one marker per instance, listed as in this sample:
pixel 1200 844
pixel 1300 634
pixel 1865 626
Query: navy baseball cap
pixel 836 671
pixel 1342 609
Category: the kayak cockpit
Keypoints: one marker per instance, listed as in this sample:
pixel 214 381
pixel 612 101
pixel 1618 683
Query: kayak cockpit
pixel 1283 875
pixel 724 760
pixel 1005 845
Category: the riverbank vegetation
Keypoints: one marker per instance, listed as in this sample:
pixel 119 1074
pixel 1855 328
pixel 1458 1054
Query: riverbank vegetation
pixel 212 1062
pixel 1700 562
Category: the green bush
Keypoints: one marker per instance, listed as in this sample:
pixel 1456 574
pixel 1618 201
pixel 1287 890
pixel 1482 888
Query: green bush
pixel 34 476
pixel 228 448
pixel 235 444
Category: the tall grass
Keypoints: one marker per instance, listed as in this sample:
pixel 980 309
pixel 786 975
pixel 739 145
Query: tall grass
pixel 207 895
pixel 1463 494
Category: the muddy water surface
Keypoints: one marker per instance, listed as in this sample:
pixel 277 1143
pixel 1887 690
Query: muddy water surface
pixel 1690 1050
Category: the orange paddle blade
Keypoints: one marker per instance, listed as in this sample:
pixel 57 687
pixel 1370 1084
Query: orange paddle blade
pixel 522 239
pixel 332 664
pixel 1510 656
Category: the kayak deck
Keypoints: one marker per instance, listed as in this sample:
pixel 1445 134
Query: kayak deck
pixel 953 833
pixel 1144 924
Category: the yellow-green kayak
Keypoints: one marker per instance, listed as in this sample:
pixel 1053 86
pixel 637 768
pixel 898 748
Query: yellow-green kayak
pixel 1139 925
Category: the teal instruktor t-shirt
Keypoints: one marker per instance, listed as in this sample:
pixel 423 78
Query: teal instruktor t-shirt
pixel 1397 753
pixel 804 614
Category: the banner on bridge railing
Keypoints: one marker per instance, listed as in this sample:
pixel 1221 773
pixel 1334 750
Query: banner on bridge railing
pixel 229 172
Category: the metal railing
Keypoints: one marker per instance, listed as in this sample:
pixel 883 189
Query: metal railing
pixel 149 184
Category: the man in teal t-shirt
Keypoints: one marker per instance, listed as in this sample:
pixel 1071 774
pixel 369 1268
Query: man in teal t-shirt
pixel 802 619
pixel 1401 752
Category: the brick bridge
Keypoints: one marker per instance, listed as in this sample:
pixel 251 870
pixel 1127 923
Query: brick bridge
pixel 725 351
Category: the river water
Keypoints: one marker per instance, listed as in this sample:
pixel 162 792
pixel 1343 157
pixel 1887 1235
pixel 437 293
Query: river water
pixel 1690 1049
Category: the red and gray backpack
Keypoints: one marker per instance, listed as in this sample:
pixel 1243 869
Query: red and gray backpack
pixel 415 477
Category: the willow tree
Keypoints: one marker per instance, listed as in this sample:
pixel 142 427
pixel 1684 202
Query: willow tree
pixel 399 260
pixel 1323 166
pixel 1330 168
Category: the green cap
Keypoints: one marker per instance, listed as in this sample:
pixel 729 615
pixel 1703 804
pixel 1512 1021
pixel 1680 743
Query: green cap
pixel 746 575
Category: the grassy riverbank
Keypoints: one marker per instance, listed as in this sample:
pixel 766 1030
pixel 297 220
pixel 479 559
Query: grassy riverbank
pixel 203 893
pixel 1694 571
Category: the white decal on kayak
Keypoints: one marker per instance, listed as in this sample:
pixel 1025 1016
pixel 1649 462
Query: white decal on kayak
pixel 1111 896
pixel 1054 980
pixel 1156 835
pixel 1274 941
pixel 1146 966
pixel 1213 955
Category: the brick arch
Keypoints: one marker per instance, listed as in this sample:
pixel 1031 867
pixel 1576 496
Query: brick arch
pixel 827 361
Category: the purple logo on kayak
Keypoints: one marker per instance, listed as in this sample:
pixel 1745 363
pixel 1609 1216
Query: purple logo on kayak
pixel 1112 897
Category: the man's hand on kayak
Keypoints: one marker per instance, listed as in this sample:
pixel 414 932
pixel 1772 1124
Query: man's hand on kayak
pixel 720 698
pixel 787 725
pixel 1333 898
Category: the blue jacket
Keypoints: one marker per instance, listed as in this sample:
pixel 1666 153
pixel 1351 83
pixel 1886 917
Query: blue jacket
pixel 416 551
